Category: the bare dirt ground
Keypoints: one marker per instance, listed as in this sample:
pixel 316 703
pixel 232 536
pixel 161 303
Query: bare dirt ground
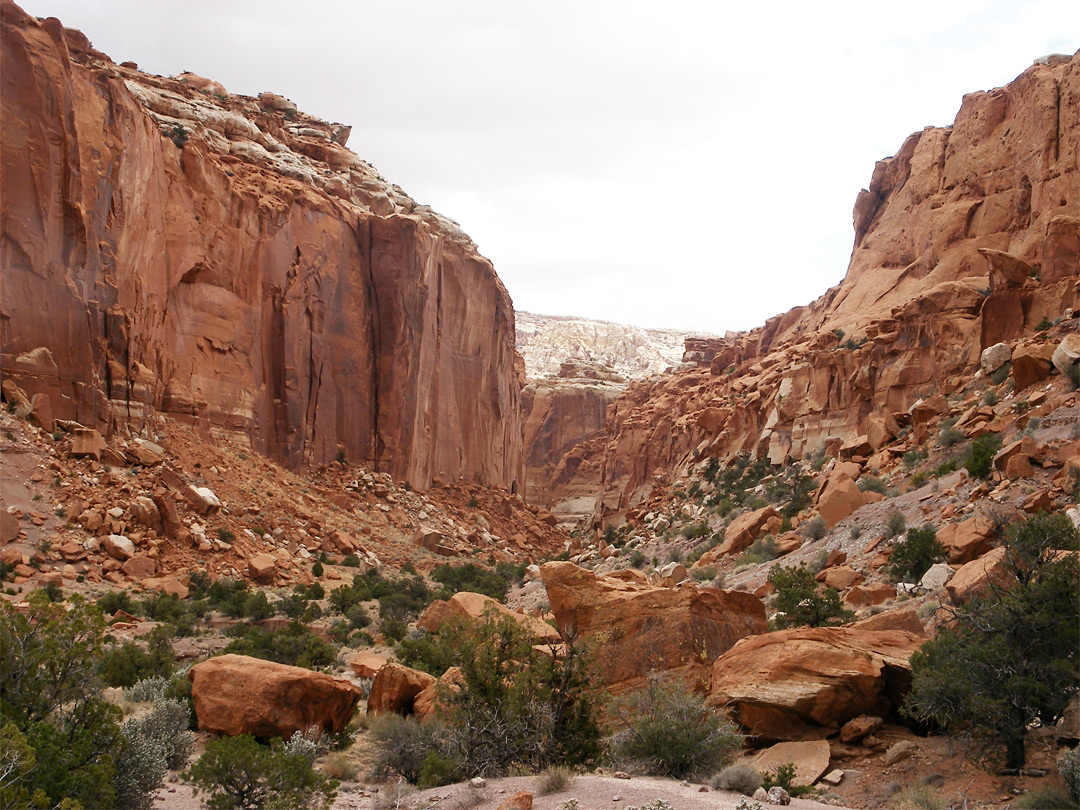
pixel 591 792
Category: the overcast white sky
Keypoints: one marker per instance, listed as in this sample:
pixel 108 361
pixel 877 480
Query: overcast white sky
pixel 676 164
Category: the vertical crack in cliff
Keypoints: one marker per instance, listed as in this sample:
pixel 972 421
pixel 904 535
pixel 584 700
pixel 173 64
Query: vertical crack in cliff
pixel 366 242
pixel 1057 120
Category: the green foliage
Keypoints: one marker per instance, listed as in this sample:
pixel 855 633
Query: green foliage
pixel 317 569
pixel 472 578
pixel 519 705
pixel 555 779
pixel 1068 765
pixel 871 483
pixel 350 561
pixel 257 607
pixel 919 478
pixel 666 731
pixel 151 745
pixel 637 558
pixel 990 397
pixel 712 467
pixel 295 645
pixel 949 436
pixel 111 602
pixel 895 523
pixel 177 134
pixel 237 773
pixel 1044 325
pixel 782 776
pixel 815 528
pixel 694 531
pixel 403 746
pixel 226 535
pixel 800 601
pixel 761 550
pixel 63 737
pixel 913 457
pixel 913 556
pixel 123 666
pixel 999 376
pixel 1009 655
pixel 1048 798
pixel 980 460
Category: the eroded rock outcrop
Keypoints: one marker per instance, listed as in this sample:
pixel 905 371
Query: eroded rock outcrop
pixel 236 694
pixel 225 260
pixel 639 629
pixel 968 237
pixel 805 683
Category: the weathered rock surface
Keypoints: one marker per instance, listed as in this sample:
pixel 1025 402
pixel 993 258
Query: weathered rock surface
pixel 810 758
pixel 235 694
pixel 948 235
pixel 640 629
pixel 805 683
pixel 238 269
pixel 395 688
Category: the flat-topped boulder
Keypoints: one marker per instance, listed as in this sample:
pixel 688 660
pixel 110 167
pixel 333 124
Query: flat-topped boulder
pixel 807 682
pixel 639 628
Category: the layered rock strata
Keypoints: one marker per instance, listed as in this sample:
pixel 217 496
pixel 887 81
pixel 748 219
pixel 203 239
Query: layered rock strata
pixel 969 236
pixel 227 261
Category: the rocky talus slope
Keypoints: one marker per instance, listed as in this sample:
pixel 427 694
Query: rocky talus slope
pixel 169 247
pixel 968 237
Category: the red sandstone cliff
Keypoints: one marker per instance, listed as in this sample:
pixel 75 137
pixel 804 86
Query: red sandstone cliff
pixel 256 279
pixel 968 236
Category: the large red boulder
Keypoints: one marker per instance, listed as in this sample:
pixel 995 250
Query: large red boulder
pixel 236 694
pixel 805 683
pixel 638 628
pixel 395 689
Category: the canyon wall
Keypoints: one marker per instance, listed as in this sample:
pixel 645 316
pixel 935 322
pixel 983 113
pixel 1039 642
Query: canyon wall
pixel 968 236
pixel 168 247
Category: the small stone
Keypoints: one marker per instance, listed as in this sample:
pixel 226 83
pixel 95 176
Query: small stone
pixel 834 777
pixel 621 775
pixel 777 795
pixel 477 782
pixel 900 751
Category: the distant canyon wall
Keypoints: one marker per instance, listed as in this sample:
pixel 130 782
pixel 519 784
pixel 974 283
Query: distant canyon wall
pixel 168 247
pixel 968 236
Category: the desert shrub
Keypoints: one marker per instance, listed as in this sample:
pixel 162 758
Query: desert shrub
pixel 358 617
pixel 169 609
pixel 61 737
pixel 740 777
pixel 761 550
pixel 350 561
pixel 295 645
pixel 895 523
pixel 1050 798
pixel 872 483
pixel 257 607
pixel 637 558
pixel 152 744
pixel 913 457
pixel 949 436
pixel 432 654
pixel 237 773
pixel 1007 657
pixel 980 459
pixel 782 776
pixel 338 766
pixel 919 478
pixel 146 690
pixel 555 779
pixel 520 705
pixel 704 574
pixel 666 731
pixel 129 663
pixel 402 744
pixel 990 397
pixel 474 579
pixel 697 530
pixel 998 376
pixel 111 602
pixel 712 467
pixel 1068 765
pixel 799 601
pixel 913 556
pixel 919 796
pixel 815 528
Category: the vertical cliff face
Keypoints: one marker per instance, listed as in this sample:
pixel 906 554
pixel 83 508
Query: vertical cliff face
pixel 168 247
pixel 968 236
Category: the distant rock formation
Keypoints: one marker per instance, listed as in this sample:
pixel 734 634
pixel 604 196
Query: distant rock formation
pixel 546 341
pixel 168 247
pixel 967 237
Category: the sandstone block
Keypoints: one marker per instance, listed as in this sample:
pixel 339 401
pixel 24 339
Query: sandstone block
pixel 811 759
pixel 936 577
pixel 139 567
pixel 235 694
pixel 1031 363
pixel 855 729
pixel 87 442
pixel 1067 355
pixel 367 664
pixel 975 575
pixel 118 547
pixel 839 498
pixel 9 526
pixel 395 688
pixel 806 682
pixel 262 568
